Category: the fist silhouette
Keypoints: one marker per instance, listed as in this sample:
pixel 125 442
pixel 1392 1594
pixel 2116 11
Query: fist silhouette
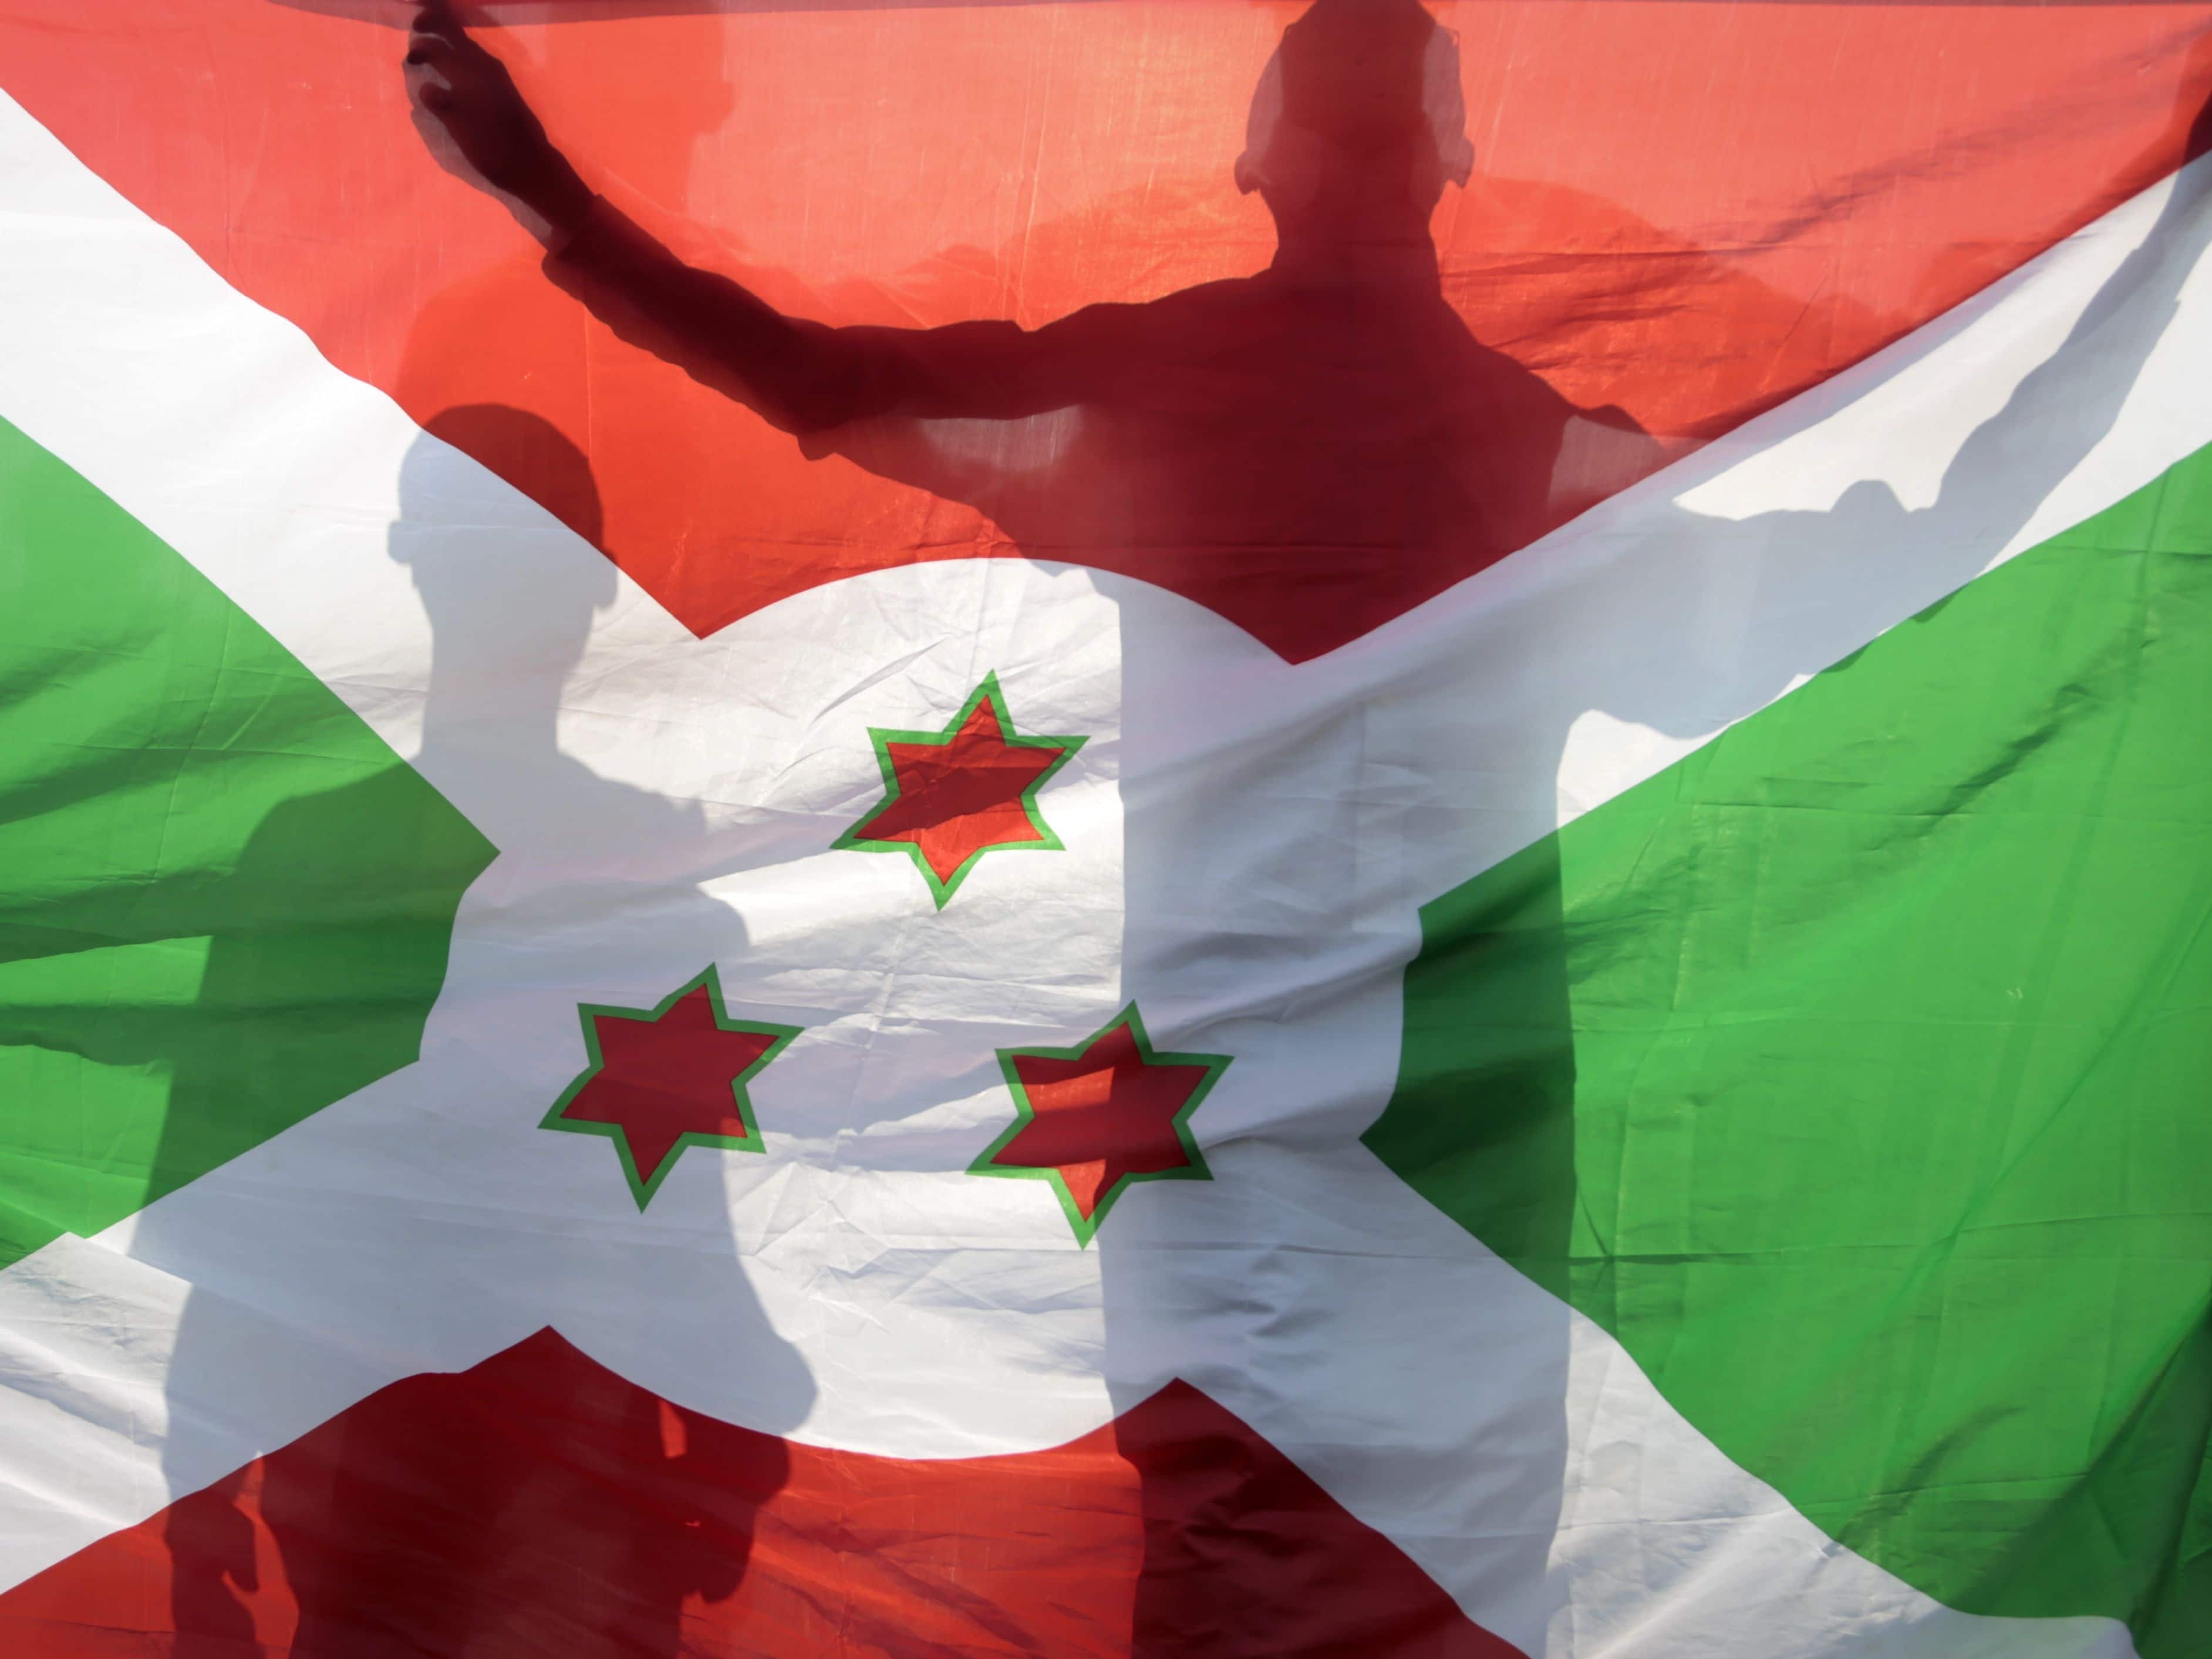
pixel 475 120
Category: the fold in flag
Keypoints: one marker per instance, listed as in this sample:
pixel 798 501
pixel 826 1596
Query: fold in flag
pixel 1536 673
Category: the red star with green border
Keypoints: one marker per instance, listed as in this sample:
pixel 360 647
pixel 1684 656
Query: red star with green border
pixel 672 1078
pixel 1096 1118
pixel 951 796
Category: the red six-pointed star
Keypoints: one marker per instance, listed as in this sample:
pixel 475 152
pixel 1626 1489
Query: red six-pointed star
pixel 673 1077
pixel 951 796
pixel 1095 1117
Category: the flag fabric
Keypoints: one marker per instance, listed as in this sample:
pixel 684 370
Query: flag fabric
pixel 1246 939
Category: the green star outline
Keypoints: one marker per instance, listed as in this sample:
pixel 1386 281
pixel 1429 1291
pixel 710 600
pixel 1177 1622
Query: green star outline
pixel 642 1190
pixel 1025 1114
pixel 883 736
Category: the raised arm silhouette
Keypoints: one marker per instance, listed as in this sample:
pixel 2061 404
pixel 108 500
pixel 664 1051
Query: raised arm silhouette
pixel 1825 554
pixel 1310 450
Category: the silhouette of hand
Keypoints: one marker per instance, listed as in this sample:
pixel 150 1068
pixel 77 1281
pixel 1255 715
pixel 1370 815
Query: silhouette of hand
pixel 475 121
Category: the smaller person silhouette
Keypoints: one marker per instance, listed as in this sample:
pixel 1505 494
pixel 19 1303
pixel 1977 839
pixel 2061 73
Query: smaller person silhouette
pixel 568 1511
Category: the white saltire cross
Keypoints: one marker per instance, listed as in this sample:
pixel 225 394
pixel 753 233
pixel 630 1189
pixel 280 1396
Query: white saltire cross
pixel 1247 845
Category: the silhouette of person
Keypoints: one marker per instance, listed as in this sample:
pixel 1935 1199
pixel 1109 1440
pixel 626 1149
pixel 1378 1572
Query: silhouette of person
pixel 388 1542
pixel 1310 451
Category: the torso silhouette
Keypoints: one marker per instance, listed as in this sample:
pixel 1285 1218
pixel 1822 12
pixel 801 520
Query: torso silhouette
pixel 1309 454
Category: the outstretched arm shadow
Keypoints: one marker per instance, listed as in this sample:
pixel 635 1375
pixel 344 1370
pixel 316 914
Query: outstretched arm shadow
pixel 1787 592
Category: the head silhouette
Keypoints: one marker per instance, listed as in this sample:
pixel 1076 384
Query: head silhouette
pixel 459 544
pixel 1358 124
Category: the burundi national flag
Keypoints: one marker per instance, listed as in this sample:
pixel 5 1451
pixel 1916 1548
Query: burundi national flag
pixel 1256 949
